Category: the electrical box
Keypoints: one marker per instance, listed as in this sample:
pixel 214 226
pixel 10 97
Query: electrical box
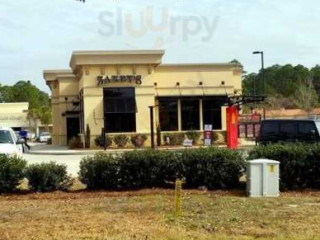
pixel 263 178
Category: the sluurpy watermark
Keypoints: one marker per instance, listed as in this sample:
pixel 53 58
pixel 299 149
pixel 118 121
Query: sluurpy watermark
pixel 141 23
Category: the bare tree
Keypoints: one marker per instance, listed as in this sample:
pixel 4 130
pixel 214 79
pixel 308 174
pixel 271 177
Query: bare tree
pixel 305 96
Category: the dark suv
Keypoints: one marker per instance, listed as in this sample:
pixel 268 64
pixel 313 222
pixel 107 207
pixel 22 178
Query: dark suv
pixel 273 131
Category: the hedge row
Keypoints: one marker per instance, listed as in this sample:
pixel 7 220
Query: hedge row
pixel 41 177
pixel 210 167
pixel 299 163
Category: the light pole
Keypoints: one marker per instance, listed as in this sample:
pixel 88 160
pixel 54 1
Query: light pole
pixel 152 125
pixel 262 71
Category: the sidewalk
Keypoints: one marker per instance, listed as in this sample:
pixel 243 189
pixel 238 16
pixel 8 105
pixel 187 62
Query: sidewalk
pixel 44 149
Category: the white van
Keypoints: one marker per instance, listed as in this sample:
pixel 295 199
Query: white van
pixel 9 143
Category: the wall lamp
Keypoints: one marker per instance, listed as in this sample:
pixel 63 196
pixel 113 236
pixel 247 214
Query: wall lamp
pixel 200 83
pixel 178 84
pixel 222 82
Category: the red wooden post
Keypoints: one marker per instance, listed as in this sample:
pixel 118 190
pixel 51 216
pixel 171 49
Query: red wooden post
pixel 232 127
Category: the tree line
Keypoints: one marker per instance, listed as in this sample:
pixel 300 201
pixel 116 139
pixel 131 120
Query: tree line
pixel 286 86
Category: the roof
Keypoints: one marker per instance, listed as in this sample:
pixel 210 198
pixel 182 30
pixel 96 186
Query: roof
pixel 57 71
pixel 117 52
pixel 120 57
pixel 52 75
pixel 263 160
pixel 293 120
pixel 200 65
pixel 14 103
pixel 5 128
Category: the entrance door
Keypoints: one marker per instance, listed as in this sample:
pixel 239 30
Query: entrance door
pixel 73 128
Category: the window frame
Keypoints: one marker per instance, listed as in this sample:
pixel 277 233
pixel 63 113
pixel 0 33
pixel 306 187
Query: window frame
pixel 177 114
pixel 119 115
pixel 198 114
pixel 219 109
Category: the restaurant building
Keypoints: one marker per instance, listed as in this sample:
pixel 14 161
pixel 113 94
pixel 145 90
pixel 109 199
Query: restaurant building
pixel 114 90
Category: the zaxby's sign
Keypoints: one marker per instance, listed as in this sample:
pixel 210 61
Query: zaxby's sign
pixel 135 79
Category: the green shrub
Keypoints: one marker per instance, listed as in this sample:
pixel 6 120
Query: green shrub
pixel 121 140
pixel 219 137
pixel 211 167
pixel 46 177
pixel 214 168
pixel 147 169
pixel 299 163
pixel 88 136
pixel 215 136
pixel 12 171
pixel 75 143
pixel 138 140
pixel 99 141
pixel 174 138
pixel 100 171
pixel 49 141
pixel 193 135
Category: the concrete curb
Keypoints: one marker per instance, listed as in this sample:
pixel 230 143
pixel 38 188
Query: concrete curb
pixel 114 151
pixel 61 153
pixel 77 152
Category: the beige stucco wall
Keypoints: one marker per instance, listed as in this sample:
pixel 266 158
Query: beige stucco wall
pixel 14 115
pixel 216 79
pixel 64 91
pixel 93 95
pixel 190 76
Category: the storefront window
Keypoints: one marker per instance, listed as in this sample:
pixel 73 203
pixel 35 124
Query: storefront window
pixel 190 116
pixel 119 110
pixel 168 115
pixel 212 113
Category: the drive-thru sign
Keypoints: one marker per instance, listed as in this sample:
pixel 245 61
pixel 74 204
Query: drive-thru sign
pixel 207 134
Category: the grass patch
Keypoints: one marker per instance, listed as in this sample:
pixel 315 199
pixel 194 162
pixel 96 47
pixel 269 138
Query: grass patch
pixel 148 214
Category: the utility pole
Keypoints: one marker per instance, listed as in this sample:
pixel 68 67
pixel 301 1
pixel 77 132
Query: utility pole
pixel 262 73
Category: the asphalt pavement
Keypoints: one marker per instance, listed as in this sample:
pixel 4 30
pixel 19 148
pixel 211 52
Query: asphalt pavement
pixel 71 161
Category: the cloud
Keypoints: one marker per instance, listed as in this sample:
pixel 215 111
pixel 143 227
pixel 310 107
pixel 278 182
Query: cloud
pixel 37 34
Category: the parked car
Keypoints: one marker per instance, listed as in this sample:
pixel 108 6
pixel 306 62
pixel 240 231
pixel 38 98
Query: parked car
pixel 30 135
pixel 9 143
pixel 44 136
pixel 273 131
pixel 17 134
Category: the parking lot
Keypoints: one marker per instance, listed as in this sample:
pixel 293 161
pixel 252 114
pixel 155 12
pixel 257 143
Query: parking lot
pixel 72 161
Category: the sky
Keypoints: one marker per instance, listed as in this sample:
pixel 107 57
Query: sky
pixel 36 35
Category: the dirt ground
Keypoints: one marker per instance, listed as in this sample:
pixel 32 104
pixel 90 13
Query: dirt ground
pixel 149 214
